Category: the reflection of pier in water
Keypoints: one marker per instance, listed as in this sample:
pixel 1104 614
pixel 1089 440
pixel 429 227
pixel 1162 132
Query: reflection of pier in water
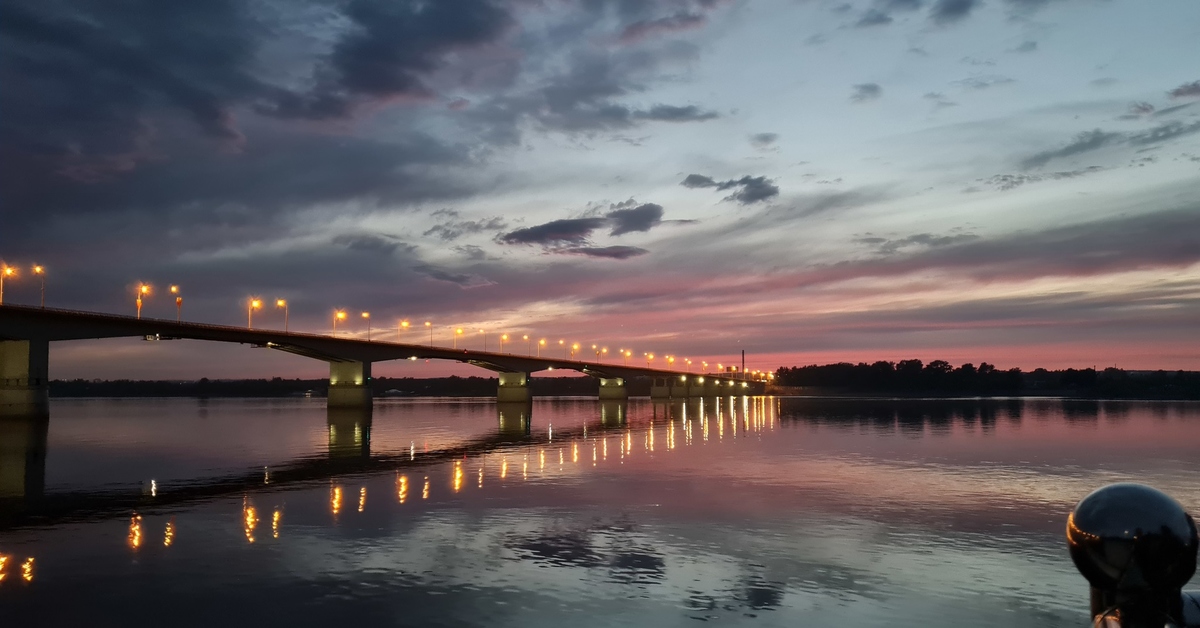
pixel 22 459
pixel 23 446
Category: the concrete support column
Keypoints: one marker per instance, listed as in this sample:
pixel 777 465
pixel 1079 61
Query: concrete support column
pixel 613 388
pixel 513 387
pixel 679 386
pixel 660 388
pixel 24 378
pixel 349 385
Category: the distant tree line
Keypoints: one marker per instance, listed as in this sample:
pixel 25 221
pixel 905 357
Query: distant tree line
pixel 278 387
pixel 939 377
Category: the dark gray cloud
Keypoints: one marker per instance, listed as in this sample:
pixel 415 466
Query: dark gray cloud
pixel 903 5
pixel 368 243
pixel 889 246
pixel 1096 139
pixel 1187 90
pixel 763 140
pixel 641 218
pixel 748 190
pixel 939 100
pixel 671 113
pixel 866 91
pixel 1084 142
pixel 555 232
pixel 1010 181
pixel 643 29
pixel 606 252
pixel 388 52
pixel 946 12
pixel 873 17
pixel 1026 46
pixel 1137 110
pixel 462 280
pixel 454 228
pixel 983 82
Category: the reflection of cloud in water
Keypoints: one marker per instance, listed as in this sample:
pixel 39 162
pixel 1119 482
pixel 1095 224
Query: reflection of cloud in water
pixel 627 562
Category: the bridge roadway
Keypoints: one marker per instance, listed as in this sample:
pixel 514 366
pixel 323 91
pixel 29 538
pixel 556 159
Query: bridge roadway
pixel 25 334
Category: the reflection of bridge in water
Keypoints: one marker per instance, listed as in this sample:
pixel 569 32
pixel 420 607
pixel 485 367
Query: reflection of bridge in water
pixel 23 448
pixel 26 333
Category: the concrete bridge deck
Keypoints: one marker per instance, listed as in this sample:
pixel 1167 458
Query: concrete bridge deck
pixel 25 334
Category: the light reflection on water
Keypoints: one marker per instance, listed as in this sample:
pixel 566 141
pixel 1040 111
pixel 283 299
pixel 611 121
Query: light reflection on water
pixel 756 511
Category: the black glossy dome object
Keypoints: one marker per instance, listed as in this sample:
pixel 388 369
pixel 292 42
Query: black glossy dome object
pixel 1131 540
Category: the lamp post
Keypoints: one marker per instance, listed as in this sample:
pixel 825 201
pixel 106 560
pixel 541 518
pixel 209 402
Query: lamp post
pixel 541 343
pixel 41 273
pixel 178 303
pixel 252 305
pixel 565 348
pixel 628 354
pixel 283 304
pixel 367 315
pixel 457 332
pixel 649 359
pixel 7 271
pixel 574 348
pixel 705 366
pixel 528 347
pixel 430 326
pixel 503 339
pixel 484 340
pixel 142 290
pixel 400 331
pixel 338 315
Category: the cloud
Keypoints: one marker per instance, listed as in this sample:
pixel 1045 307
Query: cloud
pixel 939 100
pixel 641 218
pixel 367 243
pixel 983 82
pixel 873 17
pixel 946 12
pixel 462 280
pixel 1138 110
pixel 903 5
pixel 671 113
pixel 1026 46
pixel 866 91
pixel 1096 139
pixel 1084 142
pixel 605 252
pixel 643 29
pixel 1187 90
pixel 888 246
pixel 763 140
pixel 455 229
pixel 748 190
pixel 563 231
pixel 1010 181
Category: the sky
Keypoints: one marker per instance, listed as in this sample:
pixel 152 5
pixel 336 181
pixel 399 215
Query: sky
pixel 1010 181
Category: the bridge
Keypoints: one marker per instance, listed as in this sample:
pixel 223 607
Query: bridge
pixel 26 334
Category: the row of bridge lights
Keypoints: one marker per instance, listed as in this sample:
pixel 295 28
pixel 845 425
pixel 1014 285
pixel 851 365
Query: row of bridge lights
pixel 144 290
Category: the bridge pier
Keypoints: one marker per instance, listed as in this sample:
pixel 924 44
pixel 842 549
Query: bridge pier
pixel 348 385
pixel 612 412
pixel 513 387
pixel 613 388
pixel 24 378
pixel 660 388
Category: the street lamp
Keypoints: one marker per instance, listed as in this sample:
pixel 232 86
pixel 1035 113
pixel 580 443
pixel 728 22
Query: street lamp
pixel 367 315
pixel 541 343
pixel 41 273
pixel 603 352
pixel 503 339
pixel 705 366
pixel 689 364
pixel 338 315
pixel 400 332
pixel 142 290
pixel 430 326
pixel 649 359
pixel 178 303
pixel 457 332
pixel 560 343
pixel 484 340
pixel 252 305
pixel 574 348
pixel 283 304
pixel 528 347
pixel 7 271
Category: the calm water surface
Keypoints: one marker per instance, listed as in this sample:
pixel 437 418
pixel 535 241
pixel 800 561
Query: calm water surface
pixel 763 512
